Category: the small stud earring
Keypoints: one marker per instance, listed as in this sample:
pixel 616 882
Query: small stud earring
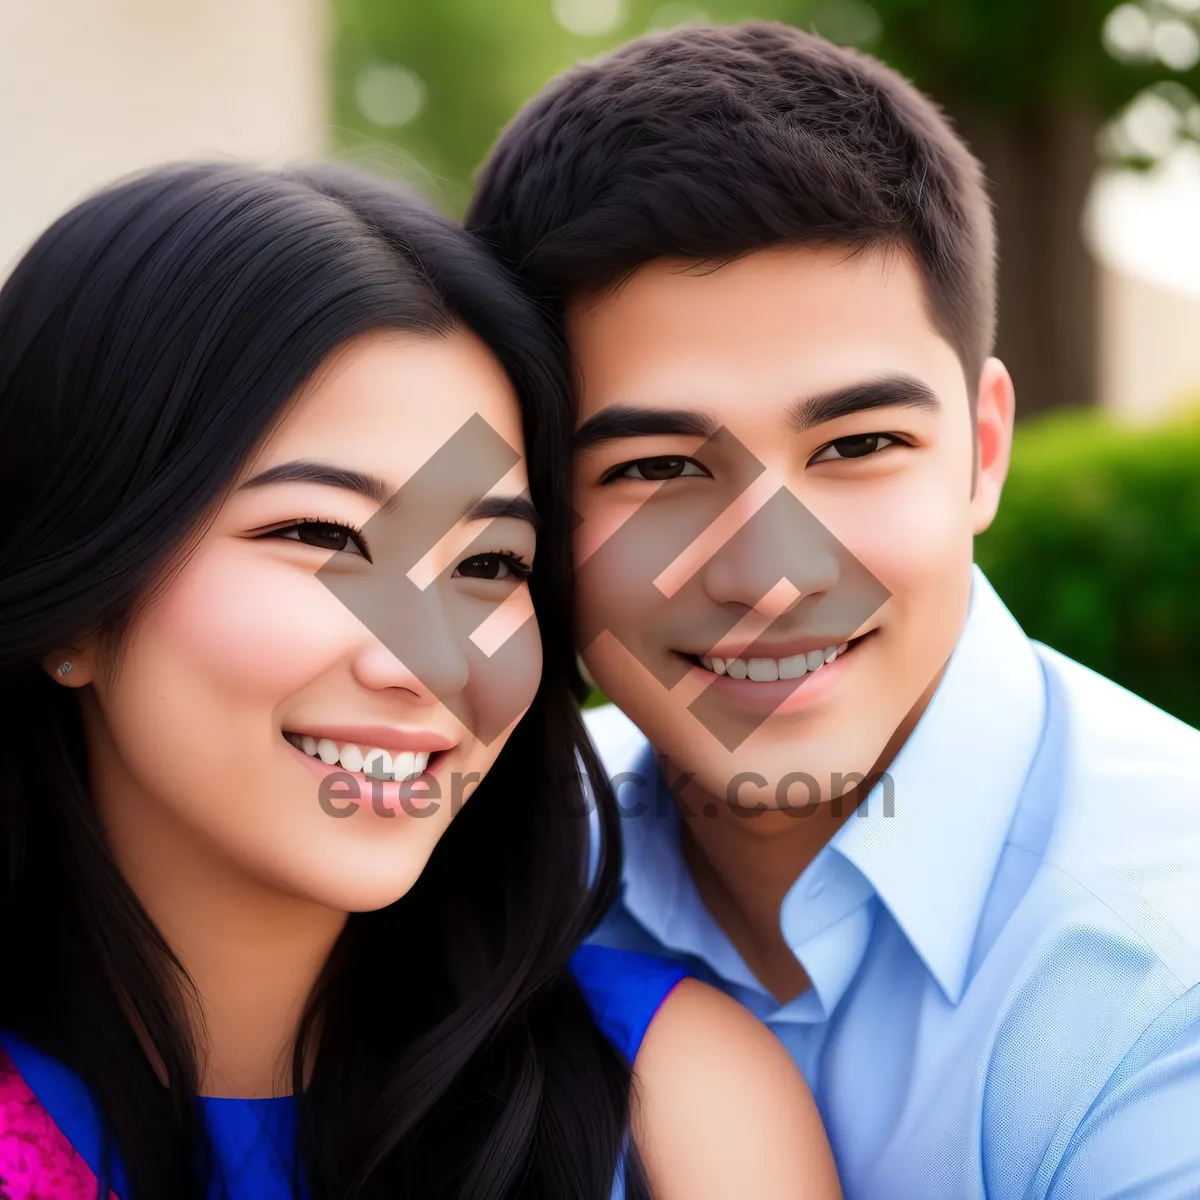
pixel 64 668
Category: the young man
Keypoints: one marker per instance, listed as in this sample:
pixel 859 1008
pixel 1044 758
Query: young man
pixel 957 873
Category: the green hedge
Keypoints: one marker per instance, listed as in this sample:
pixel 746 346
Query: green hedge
pixel 1096 549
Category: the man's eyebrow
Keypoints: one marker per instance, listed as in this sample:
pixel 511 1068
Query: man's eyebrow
pixel 624 421
pixel 894 390
pixel 491 507
pixel 307 471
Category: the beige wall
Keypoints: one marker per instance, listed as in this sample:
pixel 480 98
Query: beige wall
pixel 93 89
pixel 1143 231
pixel 1149 346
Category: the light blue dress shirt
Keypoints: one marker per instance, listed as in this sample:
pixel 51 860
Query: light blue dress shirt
pixel 1005 996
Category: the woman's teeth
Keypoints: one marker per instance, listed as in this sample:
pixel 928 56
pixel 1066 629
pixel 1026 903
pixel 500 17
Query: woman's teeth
pixel 375 763
pixel 767 670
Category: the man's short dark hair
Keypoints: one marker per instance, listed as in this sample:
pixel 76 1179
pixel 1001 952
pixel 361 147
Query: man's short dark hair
pixel 708 143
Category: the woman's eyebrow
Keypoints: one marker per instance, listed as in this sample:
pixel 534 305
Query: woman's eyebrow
pixel 308 471
pixel 378 490
pixel 491 507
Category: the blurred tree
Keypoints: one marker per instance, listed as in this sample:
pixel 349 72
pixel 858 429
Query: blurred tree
pixel 423 87
pixel 1031 84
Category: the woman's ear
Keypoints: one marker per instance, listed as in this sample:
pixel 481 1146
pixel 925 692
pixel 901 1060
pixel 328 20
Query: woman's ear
pixel 72 666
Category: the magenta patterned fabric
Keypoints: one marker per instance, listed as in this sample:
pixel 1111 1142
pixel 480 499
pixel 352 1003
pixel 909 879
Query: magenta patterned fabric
pixel 36 1160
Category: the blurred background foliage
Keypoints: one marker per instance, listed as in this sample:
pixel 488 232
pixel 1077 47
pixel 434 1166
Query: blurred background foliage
pixel 1096 549
pixel 1097 545
pixel 1041 90
pixel 439 80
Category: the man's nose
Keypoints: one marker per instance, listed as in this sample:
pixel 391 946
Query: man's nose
pixel 780 555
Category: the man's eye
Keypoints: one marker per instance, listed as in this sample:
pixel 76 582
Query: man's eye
pixel 493 566
pixel 653 470
pixel 859 446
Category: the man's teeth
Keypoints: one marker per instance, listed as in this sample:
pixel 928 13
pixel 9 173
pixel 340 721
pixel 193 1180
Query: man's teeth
pixel 374 762
pixel 767 670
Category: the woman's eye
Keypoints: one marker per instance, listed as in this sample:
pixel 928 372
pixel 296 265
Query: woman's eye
pixel 493 566
pixel 653 470
pixel 859 446
pixel 325 535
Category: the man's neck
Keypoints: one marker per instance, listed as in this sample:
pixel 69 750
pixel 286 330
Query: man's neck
pixel 744 869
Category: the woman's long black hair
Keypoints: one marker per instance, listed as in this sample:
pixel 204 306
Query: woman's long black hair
pixel 149 340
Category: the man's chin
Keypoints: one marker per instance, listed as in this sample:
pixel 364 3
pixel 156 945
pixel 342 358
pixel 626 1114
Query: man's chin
pixel 756 782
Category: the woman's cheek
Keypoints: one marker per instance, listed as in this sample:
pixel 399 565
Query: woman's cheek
pixel 260 629
pixel 501 687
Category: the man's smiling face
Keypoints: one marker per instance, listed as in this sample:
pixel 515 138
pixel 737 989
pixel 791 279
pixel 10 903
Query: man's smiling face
pixel 790 440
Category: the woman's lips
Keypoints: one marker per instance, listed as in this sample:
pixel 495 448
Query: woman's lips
pixel 389 737
pixel 417 791
pixel 369 759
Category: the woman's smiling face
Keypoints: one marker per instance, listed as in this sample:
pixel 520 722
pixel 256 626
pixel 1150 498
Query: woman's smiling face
pixel 296 641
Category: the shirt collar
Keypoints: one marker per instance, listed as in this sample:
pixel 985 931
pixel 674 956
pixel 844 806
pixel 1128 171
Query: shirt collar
pixel 657 887
pixel 955 787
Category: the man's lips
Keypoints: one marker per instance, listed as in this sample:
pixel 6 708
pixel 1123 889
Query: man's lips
pixel 774 649
pixel 755 687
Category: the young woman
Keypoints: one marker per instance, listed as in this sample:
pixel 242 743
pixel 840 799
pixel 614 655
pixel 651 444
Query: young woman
pixel 294 855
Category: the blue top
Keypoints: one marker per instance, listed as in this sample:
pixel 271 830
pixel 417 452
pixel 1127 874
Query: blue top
pixel 1003 942
pixel 253 1140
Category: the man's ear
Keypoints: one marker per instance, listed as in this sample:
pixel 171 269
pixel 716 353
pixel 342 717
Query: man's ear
pixel 995 411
